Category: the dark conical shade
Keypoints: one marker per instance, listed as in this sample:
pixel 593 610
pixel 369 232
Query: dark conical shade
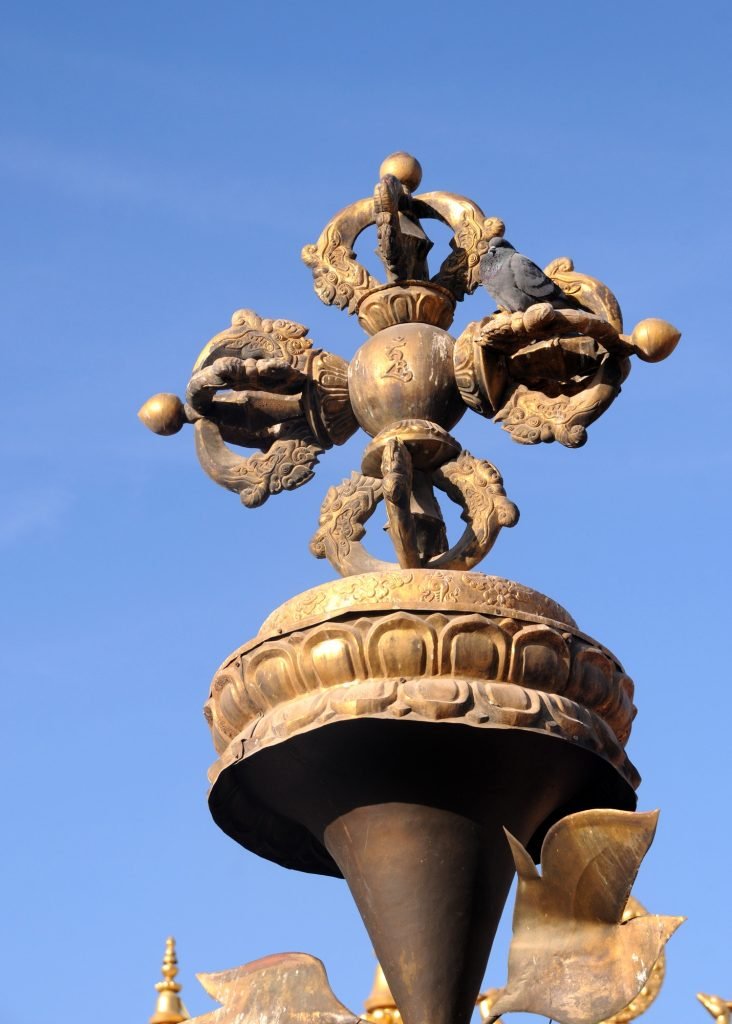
pixel 430 889
pixel 412 816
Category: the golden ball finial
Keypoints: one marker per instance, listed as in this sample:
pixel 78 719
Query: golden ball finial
pixel 654 339
pixel 405 168
pixel 163 414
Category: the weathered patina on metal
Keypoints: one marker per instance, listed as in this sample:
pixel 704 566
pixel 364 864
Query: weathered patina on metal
pixel 388 726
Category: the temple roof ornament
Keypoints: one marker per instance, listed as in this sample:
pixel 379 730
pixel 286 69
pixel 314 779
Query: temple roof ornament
pixel 544 372
pixel 169 1008
pixel 416 728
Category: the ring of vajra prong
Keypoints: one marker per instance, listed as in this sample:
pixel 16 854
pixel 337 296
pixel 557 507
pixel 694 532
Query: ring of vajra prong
pixel 414 523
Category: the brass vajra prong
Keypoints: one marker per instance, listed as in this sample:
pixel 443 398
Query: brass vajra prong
pixel 386 726
pixel 545 366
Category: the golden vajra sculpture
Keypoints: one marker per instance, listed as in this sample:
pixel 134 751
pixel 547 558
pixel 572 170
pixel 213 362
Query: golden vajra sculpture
pixel 386 727
pixel 544 373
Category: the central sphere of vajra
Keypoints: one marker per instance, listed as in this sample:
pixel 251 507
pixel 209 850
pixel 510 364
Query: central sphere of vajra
pixel 538 709
pixel 405 372
pixel 545 370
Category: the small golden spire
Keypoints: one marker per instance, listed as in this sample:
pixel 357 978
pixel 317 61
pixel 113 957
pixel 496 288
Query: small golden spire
pixel 169 1008
pixel 379 1005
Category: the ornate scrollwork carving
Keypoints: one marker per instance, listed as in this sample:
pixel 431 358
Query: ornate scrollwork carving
pixel 340 280
pixel 288 462
pixel 253 336
pixel 545 374
pixel 263 368
pixel 417 591
pixel 474 484
pixel 477 486
pixel 460 272
pixel 260 384
pixel 531 416
pixel 511 332
pixel 588 291
pixel 343 513
pixel 326 399
pixel 469 361
pixel 402 244
pixel 485 666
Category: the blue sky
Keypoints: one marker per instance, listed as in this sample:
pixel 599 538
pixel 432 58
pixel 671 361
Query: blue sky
pixel 162 164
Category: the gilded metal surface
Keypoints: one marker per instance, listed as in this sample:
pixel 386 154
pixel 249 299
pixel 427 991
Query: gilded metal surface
pixel 430 445
pixel 574 957
pixel 433 950
pixel 169 1008
pixel 403 166
pixel 485 1006
pixel 460 647
pixel 537 707
pixel 719 1008
pixel 544 374
pixel 473 484
pixel 379 1004
pixel 381 1008
pixel 648 994
pixel 340 280
pixel 288 988
pixel 653 340
pixel 427 591
pixel 404 372
pixel 406 302
pixel 260 384
pixel 634 1009
pixel 397 485
pixel 164 414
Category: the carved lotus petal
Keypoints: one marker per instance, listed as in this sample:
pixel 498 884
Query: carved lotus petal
pixel 272 676
pixel 462 649
pixel 401 645
pixel 436 698
pixel 593 676
pixel 298 714
pixel 540 659
pixel 369 698
pixel 474 646
pixel 333 656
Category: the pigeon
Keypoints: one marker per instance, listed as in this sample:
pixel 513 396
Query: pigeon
pixel 516 283
pixel 572 958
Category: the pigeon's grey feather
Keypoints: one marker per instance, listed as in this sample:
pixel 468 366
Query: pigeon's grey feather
pixel 516 283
